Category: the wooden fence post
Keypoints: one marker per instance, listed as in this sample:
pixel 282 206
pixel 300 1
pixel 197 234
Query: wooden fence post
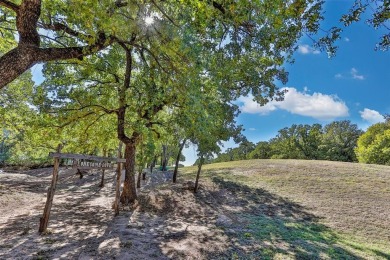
pixel 44 220
pixel 118 181
pixel 101 185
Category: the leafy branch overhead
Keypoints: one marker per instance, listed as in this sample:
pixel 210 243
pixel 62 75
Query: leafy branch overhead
pixel 243 32
pixel 379 18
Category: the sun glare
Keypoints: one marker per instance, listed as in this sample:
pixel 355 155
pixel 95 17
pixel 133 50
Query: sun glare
pixel 149 20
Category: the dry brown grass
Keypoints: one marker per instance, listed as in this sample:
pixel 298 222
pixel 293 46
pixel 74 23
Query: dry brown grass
pixel 352 199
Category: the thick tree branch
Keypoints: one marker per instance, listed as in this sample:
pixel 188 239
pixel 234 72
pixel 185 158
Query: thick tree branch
pixel 62 27
pixel 102 108
pixel 23 57
pixel 74 120
pixel 9 5
pixel 28 51
pixel 219 7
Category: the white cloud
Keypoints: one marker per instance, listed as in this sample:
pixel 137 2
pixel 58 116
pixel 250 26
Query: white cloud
pixel 306 49
pixel 317 105
pixel 355 75
pixel 252 129
pixel 252 107
pixel 346 39
pixel 371 116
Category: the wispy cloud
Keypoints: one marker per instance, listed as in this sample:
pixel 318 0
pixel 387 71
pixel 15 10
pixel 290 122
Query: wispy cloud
pixel 306 49
pixel 252 129
pixel 316 105
pixel 353 74
pixel 346 39
pixel 371 116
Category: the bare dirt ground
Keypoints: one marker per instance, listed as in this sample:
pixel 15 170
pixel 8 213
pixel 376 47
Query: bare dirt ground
pixel 168 222
pixel 226 219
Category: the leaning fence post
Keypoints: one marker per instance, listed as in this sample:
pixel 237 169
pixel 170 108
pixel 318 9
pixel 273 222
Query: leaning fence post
pixel 44 220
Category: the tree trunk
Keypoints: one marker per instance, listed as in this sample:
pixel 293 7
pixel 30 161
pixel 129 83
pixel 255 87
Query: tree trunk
pixel 139 180
pixel 198 174
pixel 164 158
pixel 118 180
pixel 153 164
pixel 129 193
pixel 102 180
pixel 178 160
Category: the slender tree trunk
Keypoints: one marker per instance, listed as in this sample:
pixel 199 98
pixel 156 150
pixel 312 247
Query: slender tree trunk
pixel 178 160
pixel 164 158
pixel 129 193
pixel 139 179
pixel 102 180
pixel 153 163
pixel 198 174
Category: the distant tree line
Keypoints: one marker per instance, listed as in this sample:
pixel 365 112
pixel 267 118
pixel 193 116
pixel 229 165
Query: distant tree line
pixel 337 141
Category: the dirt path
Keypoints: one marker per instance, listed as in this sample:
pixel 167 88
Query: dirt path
pixel 82 225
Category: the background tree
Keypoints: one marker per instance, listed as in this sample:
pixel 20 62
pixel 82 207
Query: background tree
pixel 339 141
pixel 145 154
pixel 213 122
pixel 336 141
pixel 374 145
pixel 286 144
pixel 262 151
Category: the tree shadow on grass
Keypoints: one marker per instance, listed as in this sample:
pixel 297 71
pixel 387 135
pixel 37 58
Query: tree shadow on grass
pixel 265 226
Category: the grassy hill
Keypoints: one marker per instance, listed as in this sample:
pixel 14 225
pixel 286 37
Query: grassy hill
pixel 305 209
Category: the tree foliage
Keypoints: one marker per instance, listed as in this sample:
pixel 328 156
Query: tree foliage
pixel 379 13
pixel 262 33
pixel 374 144
pixel 339 141
pixel 335 141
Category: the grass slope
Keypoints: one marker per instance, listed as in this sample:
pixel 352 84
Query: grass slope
pixel 304 209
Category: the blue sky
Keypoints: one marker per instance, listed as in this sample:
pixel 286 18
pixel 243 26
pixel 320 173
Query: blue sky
pixel 354 85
